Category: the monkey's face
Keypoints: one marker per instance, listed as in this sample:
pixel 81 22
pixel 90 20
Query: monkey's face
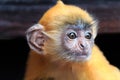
pixel 77 42
pixel 53 36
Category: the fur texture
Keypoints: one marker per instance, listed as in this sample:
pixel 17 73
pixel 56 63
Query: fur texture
pixel 97 68
pixel 49 66
pixel 61 14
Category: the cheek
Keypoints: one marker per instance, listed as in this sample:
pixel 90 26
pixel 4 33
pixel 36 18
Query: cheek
pixel 89 46
pixel 70 44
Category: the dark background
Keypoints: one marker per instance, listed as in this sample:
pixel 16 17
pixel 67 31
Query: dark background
pixel 16 16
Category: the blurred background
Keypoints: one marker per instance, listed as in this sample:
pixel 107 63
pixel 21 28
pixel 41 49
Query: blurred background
pixel 16 16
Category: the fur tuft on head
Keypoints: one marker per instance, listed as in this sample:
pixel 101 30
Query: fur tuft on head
pixel 61 14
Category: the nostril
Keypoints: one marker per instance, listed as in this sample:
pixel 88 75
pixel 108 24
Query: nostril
pixel 82 46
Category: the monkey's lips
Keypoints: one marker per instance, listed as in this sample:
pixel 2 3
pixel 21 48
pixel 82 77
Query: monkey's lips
pixel 80 56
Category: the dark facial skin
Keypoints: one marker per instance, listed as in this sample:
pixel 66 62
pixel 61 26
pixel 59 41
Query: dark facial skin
pixel 77 43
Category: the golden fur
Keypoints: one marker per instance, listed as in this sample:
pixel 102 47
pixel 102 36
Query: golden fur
pixel 62 14
pixel 43 67
pixel 97 68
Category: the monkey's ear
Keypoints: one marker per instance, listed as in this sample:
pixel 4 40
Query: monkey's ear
pixel 36 38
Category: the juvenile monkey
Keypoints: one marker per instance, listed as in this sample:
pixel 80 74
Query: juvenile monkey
pixel 62 47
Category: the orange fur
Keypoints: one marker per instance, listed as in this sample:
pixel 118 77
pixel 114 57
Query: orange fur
pixel 97 68
pixel 61 14
pixel 43 66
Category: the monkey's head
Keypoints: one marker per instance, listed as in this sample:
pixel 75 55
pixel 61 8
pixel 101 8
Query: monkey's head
pixel 65 31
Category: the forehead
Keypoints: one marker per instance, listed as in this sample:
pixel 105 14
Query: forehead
pixel 79 25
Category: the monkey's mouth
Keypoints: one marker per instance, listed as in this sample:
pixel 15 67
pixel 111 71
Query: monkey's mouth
pixel 79 56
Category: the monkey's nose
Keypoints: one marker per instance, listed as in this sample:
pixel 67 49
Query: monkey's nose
pixel 82 46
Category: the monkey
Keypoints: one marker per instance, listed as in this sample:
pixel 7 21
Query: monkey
pixel 63 47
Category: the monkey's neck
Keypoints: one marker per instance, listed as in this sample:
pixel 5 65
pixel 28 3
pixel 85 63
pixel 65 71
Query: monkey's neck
pixel 97 59
pixel 87 70
pixel 80 71
pixel 93 68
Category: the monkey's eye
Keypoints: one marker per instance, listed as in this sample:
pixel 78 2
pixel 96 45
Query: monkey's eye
pixel 88 35
pixel 72 35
